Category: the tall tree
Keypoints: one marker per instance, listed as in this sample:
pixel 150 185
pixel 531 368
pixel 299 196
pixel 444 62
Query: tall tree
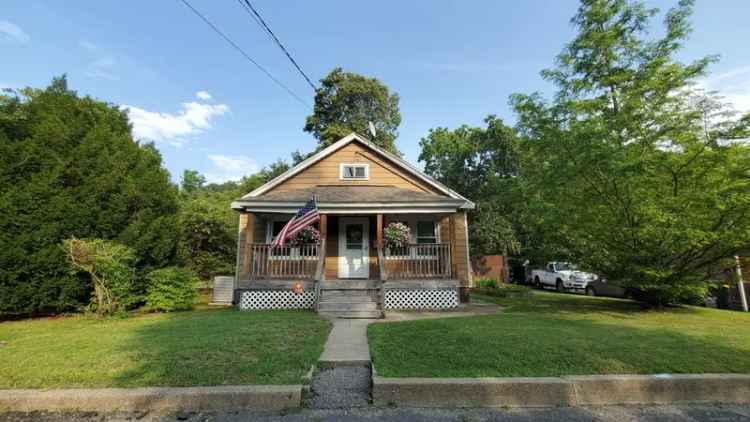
pixel 346 102
pixel 482 164
pixel 191 181
pixel 69 167
pixel 629 176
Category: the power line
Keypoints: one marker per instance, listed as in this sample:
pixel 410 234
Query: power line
pixel 250 59
pixel 265 28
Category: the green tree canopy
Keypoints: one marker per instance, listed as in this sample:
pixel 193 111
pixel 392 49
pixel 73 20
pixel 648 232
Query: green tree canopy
pixel 346 102
pixel 482 164
pixel 629 174
pixel 69 167
pixel 191 181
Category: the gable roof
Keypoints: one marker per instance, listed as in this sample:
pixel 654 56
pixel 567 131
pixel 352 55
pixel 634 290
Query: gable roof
pixel 353 137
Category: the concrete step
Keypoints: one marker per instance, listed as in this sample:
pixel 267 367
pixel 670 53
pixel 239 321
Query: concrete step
pixel 352 314
pixel 343 306
pixel 348 299
pixel 349 284
pixel 349 294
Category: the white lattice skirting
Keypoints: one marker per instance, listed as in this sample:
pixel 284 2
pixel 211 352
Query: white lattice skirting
pixel 441 298
pixel 276 299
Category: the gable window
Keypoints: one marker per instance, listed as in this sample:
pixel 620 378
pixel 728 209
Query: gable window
pixel 355 171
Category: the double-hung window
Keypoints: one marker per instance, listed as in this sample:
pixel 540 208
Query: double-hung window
pixel 273 228
pixel 421 232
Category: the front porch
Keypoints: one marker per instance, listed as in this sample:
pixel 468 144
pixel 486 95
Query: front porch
pixel 351 272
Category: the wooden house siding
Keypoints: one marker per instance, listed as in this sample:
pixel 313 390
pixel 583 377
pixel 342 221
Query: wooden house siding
pixel 327 172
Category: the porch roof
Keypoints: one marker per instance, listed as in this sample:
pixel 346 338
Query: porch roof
pixel 333 198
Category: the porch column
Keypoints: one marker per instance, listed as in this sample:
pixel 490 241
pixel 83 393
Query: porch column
pixel 460 252
pixel 244 244
pixel 379 234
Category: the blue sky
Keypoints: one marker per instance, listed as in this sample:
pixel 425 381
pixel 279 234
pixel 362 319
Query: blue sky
pixel 452 62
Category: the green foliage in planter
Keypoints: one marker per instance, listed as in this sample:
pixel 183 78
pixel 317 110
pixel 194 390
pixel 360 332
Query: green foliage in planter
pixel 396 235
pixel 308 235
pixel 171 289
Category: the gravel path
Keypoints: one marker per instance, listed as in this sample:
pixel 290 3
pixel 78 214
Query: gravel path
pixel 340 387
pixel 683 413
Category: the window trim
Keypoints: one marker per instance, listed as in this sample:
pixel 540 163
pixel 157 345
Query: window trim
pixel 366 166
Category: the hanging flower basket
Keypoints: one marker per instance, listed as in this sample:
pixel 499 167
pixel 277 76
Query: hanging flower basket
pixel 308 235
pixel 396 235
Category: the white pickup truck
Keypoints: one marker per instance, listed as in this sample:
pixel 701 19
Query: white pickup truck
pixel 562 276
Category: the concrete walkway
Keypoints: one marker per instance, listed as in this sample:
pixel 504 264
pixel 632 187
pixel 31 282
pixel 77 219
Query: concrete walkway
pixel 347 343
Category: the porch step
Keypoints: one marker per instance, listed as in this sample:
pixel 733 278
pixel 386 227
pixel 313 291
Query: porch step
pixel 345 295
pixel 325 306
pixel 353 314
pixel 349 284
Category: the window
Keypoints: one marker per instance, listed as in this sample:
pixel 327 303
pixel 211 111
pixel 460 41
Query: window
pixel 421 231
pixel 273 229
pixel 355 171
pixel 426 232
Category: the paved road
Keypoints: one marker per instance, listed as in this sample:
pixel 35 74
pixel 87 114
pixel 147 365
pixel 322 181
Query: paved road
pixel 716 413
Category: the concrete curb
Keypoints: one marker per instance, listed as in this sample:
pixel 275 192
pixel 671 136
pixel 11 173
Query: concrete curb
pixel 240 397
pixel 592 390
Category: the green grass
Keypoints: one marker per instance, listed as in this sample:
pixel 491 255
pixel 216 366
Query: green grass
pixel 202 347
pixel 550 334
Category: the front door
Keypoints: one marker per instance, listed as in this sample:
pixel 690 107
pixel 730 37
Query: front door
pixel 354 250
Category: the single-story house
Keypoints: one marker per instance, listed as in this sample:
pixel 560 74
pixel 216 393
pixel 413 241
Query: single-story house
pixel 360 189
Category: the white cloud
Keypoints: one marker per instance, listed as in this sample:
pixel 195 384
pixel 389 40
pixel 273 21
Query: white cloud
pixel 732 85
pixel 103 68
pixel 232 167
pixel 13 32
pixel 192 119
pixel 203 95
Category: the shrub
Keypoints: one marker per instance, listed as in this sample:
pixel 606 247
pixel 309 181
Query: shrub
pixel 396 235
pixel 171 289
pixel 110 266
pixel 69 167
pixel 487 283
pixel 504 290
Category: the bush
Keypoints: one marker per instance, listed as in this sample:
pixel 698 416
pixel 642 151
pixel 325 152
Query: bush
pixel 110 266
pixel 69 167
pixel 487 283
pixel 171 289
pixel 504 290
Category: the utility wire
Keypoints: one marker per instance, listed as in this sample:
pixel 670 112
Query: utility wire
pixel 265 28
pixel 250 59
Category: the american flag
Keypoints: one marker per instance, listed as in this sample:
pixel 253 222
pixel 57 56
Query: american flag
pixel 304 217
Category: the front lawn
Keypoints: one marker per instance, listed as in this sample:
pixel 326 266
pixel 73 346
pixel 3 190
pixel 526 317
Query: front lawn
pixel 203 347
pixel 551 334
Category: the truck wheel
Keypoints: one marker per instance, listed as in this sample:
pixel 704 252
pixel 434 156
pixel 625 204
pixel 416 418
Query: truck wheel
pixel 590 291
pixel 537 283
pixel 559 285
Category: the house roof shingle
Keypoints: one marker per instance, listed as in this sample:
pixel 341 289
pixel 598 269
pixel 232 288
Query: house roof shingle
pixel 353 194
